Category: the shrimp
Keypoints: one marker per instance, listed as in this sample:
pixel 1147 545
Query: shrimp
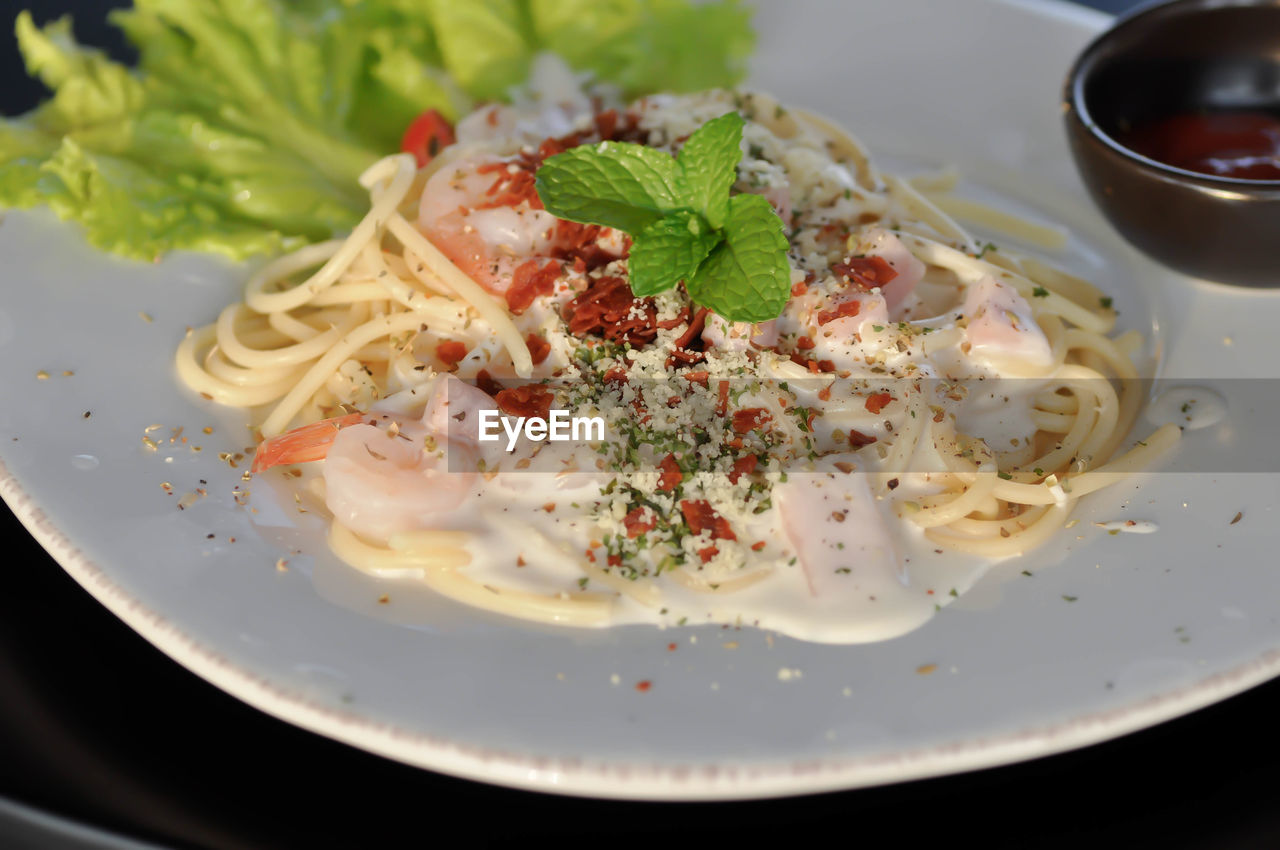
pixel 1001 325
pixel 382 482
pixel 386 472
pixel 878 242
pixel 480 213
pixel 841 539
pixel 484 214
pixel 301 445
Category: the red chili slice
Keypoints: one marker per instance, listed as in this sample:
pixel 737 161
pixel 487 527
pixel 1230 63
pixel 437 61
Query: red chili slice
pixel 426 136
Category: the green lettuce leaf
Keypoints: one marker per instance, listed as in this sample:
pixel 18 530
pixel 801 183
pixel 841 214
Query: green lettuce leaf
pixel 246 123
pixel 647 46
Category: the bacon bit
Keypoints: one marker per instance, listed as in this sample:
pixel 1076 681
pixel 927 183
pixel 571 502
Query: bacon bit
pixel 877 401
pixel 846 308
pixel 451 353
pixel 750 418
pixel 514 185
pixel 614 560
pixel 757 546
pixel 824 394
pixel 865 272
pixel 688 346
pixel 806 343
pixel 671 474
pixel 609 309
pixel 744 465
pixel 643 685
pixel 526 400
pixel 528 282
pixel 580 244
pixel 591 556
pixel 616 375
pixel 826 366
pixel 492 118
pixel 708 553
pixel 699 377
pixel 694 331
pixel 638 521
pixel 700 516
pixel 549 507
pixel 722 399
pixel 520 561
pixel 857 439
pixel 539 348
pixel 799 288
pixel 671 647
pixel 486 384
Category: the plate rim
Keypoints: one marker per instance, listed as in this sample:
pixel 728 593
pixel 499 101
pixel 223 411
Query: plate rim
pixel 617 779
pixel 634 780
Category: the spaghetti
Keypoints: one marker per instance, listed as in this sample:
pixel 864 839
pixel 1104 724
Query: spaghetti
pixel 919 392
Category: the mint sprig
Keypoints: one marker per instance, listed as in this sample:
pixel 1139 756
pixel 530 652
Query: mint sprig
pixel 730 251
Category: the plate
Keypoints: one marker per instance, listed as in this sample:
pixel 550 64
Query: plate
pixel 1108 633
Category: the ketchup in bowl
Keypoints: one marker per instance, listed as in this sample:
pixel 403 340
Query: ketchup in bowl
pixel 1240 145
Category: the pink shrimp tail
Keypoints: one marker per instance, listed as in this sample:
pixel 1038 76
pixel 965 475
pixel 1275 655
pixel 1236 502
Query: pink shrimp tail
pixel 302 445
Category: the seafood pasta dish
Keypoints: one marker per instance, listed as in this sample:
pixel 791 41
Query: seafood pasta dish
pixel 687 359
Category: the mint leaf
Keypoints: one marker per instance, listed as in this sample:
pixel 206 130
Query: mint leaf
pixel 669 251
pixel 747 277
pixel 709 166
pixel 614 184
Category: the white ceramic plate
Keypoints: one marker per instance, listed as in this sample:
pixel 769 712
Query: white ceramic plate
pixel 1160 624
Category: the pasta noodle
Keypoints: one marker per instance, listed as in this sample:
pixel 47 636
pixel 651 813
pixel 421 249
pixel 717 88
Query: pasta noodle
pixel 423 293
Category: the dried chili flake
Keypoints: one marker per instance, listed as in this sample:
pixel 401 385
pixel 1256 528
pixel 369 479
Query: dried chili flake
pixel 865 272
pixel 700 516
pixel 671 474
pixel 877 401
pixel 742 466
pixel 539 348
pixel 849 307
pixel 526 400
pixel 529 281
pixel 638 521
pixel 450 353
pixel 750 418
pixel 857 439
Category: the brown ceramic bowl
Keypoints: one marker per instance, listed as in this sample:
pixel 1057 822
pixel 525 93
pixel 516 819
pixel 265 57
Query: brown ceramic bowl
pixel 1176 57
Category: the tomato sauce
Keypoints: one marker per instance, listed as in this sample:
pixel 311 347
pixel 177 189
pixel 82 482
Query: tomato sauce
pixel 1243 145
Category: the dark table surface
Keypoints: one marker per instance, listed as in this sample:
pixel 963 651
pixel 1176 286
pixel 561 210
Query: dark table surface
pixel 99 728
